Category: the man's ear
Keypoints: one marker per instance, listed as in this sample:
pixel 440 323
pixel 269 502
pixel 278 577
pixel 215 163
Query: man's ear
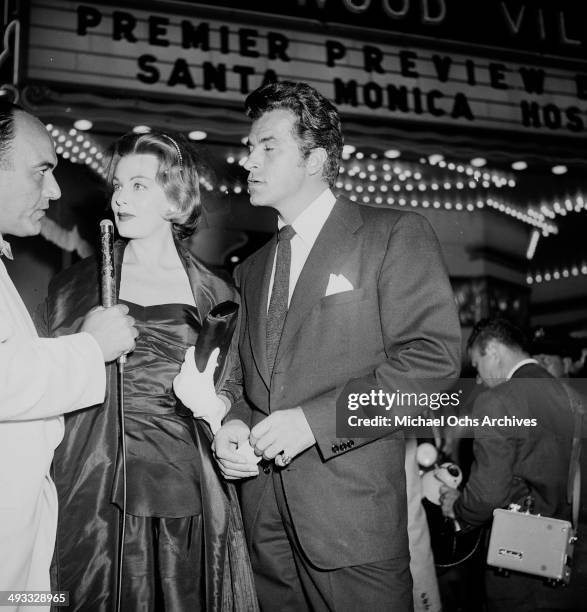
pixel 316 160
pixel 493 348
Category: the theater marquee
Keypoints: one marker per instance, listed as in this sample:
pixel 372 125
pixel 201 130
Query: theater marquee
pixel 182 55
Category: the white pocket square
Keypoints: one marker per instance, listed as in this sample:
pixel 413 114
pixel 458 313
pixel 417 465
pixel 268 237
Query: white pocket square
pixel 338 283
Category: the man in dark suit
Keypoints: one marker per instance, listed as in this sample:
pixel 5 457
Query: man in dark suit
pixel 345 292
pixel 512 462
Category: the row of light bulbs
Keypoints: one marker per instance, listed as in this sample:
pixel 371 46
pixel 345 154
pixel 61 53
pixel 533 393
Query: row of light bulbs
pixel 78 148
pixel 553 275
pixel 379 181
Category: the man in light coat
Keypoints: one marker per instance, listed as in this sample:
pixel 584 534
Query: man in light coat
pixel 39 379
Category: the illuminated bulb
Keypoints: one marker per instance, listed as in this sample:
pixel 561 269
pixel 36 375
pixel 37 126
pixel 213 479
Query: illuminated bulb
pixel 478 162
pixel 359 155
pixel 519 165
pixel 435 159
pixel 392 153
pixel 560 169
pixel 197 135
pixel 83 124
pixel 230 159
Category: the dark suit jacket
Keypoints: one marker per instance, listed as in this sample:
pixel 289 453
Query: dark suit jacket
pixel 347 497
pixel 512 462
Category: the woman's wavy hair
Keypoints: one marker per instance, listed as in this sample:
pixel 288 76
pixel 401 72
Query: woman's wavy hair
pixel 178 174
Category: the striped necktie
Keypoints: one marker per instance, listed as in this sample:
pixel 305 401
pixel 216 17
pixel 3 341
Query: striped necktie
pixel 279 293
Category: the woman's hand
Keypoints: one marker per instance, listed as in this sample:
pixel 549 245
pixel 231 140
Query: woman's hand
pixel 196 390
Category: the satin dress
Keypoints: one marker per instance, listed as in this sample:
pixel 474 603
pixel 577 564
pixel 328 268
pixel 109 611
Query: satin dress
pixel 184 541
pixel 163 541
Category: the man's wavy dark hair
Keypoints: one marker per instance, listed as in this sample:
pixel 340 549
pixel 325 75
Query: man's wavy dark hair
pixel 317 120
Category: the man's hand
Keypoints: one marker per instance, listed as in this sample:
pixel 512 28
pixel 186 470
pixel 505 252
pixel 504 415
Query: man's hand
pixel 233 452
pixel 283 431
pixel 113 330
pixel 196 389
pixel 448 497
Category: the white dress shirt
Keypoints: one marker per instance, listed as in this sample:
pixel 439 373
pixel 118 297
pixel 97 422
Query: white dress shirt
pixel 307 225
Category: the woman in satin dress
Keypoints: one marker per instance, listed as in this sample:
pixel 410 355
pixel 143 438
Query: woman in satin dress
pixel 183 546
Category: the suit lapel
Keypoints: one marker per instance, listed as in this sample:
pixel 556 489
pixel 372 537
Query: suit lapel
pixel 256 295
pixel 333 246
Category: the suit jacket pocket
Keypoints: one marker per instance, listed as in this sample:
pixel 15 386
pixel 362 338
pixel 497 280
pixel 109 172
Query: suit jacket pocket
pixel 344 297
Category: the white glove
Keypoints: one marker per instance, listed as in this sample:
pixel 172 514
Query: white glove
pixel 196 390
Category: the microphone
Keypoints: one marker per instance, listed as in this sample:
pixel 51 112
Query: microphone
pixel 107 277
pixel 107 282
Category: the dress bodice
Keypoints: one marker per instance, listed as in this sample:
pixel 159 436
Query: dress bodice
pixel 162 463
